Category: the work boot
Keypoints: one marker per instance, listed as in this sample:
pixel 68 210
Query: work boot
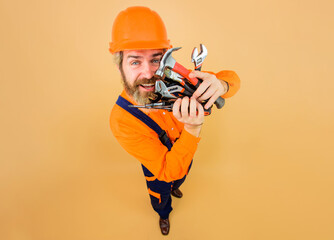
pixel 177 193
pixel 164 226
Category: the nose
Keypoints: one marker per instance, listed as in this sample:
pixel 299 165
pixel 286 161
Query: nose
pixel 148 70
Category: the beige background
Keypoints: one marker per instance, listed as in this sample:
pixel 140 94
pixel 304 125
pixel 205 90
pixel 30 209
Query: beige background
pixel 264 167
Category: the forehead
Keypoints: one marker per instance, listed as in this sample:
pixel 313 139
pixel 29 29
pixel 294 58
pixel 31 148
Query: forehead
pixel 142 53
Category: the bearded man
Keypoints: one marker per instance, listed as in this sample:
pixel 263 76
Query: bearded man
pixel 164 142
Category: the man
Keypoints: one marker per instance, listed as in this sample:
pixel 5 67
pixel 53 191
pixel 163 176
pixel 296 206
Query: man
pixel 139 40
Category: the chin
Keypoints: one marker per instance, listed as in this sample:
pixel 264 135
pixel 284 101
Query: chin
pixel 141 99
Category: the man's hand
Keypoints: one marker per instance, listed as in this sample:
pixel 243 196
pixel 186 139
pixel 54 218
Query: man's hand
pixel 211 88
pixel 191 113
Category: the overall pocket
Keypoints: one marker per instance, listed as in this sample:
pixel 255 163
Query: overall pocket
pixel 154 194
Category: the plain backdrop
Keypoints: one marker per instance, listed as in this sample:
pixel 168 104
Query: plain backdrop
pixel 264 166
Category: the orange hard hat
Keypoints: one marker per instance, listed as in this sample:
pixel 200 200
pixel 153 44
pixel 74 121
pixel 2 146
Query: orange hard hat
pixel 138 28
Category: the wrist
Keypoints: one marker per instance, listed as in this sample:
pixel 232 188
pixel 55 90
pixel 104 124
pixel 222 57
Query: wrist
pixel 193 129
pixel 225 86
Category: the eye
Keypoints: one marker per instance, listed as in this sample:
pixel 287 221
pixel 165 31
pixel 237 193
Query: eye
pixel 156 60
pixel 135 63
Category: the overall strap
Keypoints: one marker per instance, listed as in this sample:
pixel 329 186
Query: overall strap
pixel 123 103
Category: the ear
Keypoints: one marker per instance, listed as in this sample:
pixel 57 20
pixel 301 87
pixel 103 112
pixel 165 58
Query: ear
pixel 119 61
pixel 118 68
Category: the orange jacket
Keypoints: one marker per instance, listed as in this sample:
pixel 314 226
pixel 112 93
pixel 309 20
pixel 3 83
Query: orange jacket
pixel 143 143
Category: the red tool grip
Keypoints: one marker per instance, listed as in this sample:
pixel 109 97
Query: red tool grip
pixel 185 73
pixel 195 81
pixel 207 112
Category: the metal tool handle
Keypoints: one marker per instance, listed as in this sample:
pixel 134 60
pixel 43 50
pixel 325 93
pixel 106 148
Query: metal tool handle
pixel 220 102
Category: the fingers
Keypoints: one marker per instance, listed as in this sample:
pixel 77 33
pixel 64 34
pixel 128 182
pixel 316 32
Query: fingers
pixel 184 107
pixel 210 89
pixel 198 74
pixel 188 111
pixel 176 108
pixel 199 109
pixel 212 100
pixel 207 94
pixel 204 85
pixel 193 107
pixel 188 107
pixel 201 89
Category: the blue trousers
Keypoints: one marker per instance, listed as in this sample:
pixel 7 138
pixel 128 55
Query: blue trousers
pixel 160 193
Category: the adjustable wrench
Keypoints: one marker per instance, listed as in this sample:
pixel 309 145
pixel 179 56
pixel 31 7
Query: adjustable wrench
pixel 171 90
pixel 198 59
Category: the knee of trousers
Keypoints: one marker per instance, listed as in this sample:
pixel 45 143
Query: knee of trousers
pixel 161 202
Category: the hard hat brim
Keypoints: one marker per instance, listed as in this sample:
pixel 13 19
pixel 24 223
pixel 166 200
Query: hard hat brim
pixel 138 45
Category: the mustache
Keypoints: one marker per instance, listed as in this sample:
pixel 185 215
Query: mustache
pixel 147 81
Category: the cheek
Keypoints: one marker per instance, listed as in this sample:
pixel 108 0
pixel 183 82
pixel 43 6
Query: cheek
pixel 130 75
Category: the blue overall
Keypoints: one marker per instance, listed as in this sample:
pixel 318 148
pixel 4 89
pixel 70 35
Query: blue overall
pixel 160 191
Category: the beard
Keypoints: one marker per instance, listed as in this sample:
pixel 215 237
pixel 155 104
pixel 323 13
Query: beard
pixel 141 98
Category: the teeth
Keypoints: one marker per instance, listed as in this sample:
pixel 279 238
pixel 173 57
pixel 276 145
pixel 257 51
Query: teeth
pixel 148 85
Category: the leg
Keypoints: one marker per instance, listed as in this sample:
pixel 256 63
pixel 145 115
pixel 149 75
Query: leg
pixel 162 206
pixel 176 185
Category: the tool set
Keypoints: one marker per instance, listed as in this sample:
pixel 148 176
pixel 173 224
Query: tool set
pixel 176 83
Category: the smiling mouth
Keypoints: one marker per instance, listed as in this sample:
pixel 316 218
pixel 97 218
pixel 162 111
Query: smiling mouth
pixel 148 86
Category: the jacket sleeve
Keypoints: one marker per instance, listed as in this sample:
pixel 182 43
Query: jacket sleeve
pixel 140 142
pixel 232 80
